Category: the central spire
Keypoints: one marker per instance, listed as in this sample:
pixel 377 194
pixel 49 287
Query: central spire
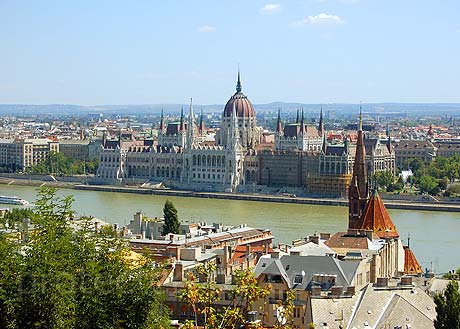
pixel 238 83
pixel 358 192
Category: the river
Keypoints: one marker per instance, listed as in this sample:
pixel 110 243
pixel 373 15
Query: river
pixel 434 235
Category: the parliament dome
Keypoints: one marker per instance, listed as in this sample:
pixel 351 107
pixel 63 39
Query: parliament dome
pixel 243 105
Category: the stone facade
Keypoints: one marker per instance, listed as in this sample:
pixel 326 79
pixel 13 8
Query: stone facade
pixel 182 158
pixel 24 153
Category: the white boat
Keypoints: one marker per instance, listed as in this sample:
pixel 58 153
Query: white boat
pixel 12 200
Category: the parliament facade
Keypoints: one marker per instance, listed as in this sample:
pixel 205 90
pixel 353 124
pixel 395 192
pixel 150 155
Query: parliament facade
pixel 237 160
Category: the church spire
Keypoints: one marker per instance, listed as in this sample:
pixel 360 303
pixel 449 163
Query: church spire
pixel 190 126
pixel 162 122
pixel 358 192
pixel 297 119
pixel 321 123
pixel 279 126
pixel 201 127
pixel 238 83
pixel 182 126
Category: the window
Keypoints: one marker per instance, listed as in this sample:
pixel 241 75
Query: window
pixel 298 279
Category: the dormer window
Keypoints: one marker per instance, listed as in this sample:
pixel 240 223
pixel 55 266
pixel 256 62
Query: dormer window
pixel 298 279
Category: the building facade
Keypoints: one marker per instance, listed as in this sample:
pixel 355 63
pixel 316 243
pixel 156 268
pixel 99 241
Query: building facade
pixel 182 158
pixel 24 153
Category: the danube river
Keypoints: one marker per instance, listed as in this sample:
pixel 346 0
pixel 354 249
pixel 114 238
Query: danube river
pixel 434 235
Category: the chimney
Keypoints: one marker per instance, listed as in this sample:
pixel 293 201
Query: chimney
pixel 406 281
pixel 314 238
pixel 316 291
pixel 275 254
pixel 324 236
pixel 351 291
pixel 336 291
pixel 178 272
pixel 382 282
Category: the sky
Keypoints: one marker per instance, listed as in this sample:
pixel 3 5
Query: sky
pixel 95 52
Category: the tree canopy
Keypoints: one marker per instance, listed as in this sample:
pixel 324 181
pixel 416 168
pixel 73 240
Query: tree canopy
pixel 448 308
pixel 172 224
pixel 58 163
pixel 67 277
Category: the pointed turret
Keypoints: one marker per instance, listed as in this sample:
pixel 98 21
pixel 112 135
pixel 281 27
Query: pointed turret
pixel 239 88
pixel 389 139
pixel 182 124
pixel 324 146
pixel 201 127
pixel 321 123
pixel 191 125
pixel 235 134
pixel 162 122
pixel 279 125
pixel 302 125
pixel 358 191
pixel 377 219
pixel 297 120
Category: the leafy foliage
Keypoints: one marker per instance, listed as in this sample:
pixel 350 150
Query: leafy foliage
pixel 66 278
pixel 201 296
pixel 172 224
pixel 436 175
pixel 448 308
pixel 58 163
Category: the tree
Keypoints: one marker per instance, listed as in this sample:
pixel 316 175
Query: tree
pixel 201 296
pixel 63 277
pixel 448 308
pixel 428 184
pixel 172 224
pixel 384 178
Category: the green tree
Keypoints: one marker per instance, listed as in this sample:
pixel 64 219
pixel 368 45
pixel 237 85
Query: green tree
pixel 384 178
pixel 67 278
pixel 448 308
pixel 172 224
pixel 428 184
pixel 201 296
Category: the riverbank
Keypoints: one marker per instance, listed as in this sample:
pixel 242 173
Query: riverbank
pixel 268 198
pixel 390 204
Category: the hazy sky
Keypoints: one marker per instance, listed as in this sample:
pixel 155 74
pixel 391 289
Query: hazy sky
pixel 157 51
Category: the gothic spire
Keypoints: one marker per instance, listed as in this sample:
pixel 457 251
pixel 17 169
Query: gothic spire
pixel 321 123
pixel 359 189
pixel 279 126
pixel 201 127
pixel 302 125
pixel 191 124
pixel 182 126
pixel 238 83
pixel 162 122
pixel 297 119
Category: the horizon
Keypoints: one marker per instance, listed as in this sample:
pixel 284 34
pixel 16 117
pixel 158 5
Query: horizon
pixel 309 52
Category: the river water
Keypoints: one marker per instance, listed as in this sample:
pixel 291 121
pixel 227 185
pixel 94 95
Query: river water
pixel 434 235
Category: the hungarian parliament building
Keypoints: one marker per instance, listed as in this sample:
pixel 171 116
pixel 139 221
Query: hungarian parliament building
pixel 237 159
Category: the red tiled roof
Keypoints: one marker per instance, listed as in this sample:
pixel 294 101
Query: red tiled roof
pixel 411 264
pixel 377 219
pixel 341 240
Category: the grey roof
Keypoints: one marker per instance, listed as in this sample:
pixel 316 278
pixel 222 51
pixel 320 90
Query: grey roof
pixel 289 266
pixel 395 306
pixel 376 307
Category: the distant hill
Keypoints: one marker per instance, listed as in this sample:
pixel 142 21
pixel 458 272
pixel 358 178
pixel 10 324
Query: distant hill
pixel 384 108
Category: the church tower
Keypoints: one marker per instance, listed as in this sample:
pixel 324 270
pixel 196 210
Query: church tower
pixel 358 192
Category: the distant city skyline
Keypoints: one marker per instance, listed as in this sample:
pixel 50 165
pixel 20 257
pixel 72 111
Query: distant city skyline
pixel 148 52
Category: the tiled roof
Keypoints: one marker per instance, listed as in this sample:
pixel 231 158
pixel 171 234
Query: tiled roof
pixel 377 219
pixel 341 242
pixel 411 264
